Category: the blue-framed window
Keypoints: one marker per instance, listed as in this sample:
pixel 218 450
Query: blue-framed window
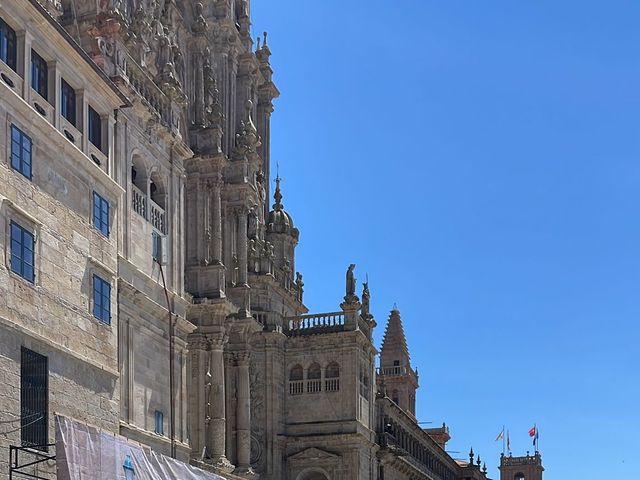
pixel 20 151
pixel 68 102
pixel 101 299
pixel 8 47
pixel 159 422
pixel 101 214
pixel 39 75
pixel 95 128
pixel 22 252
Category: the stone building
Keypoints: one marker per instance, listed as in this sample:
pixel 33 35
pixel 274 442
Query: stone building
pixel 526 467
pixel 149 286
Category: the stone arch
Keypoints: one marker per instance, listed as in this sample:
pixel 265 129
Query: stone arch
pixel 518 476
pixel 332 371
pixel 296 373
pixel 314 473
pixel 139 172
pixel 314 372
pixel 158 189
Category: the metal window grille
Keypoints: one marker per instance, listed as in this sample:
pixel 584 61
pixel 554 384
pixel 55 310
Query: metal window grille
pixel 95 128
pixel 101 214
pixel 22 252
pixel 20 151
pixel 34 399
pixel 68 102
pixel 101 299
pixel 39 75
pixel 159 422
pixel 8 45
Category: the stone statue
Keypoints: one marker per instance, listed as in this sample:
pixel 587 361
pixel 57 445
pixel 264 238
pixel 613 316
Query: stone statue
pixel 351 281
pixel 366 296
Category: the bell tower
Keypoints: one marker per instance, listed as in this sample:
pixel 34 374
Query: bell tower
pixel 395 375
pixel 527 467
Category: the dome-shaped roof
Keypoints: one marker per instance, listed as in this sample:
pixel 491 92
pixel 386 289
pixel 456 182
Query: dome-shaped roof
pixel 279 220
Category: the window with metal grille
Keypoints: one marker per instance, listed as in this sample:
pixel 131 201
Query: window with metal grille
pixel 95 128
pixel 159 422
pixel 34 399
pixel 68 102
pixel 8 45
pixel 101 214
pixel 39 75
pixel 101 299
pixel 22 252
pixel 20 151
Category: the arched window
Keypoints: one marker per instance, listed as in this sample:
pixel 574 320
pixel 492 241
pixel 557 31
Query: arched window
pixel 158 195
pixel 519 476
pixel 314 375
pixel 296 380
pixel 296 373
pixel 314 372
pixel 332 377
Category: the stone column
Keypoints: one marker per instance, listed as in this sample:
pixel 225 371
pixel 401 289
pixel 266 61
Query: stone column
pixel 243 415
pixel 217 423
pixel 197 397
pixel 229 379
pixel 217 219
pixel 242 246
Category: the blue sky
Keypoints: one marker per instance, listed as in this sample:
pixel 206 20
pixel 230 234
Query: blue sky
pixel 480 162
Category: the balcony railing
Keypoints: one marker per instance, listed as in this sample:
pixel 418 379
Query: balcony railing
pixel 394 371
pixel 139 202
pixel 332 384
pixel 319 323
pixel 314 386
pixel 296 387
pixel 157 217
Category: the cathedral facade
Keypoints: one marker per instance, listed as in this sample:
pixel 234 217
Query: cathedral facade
pixel 148 286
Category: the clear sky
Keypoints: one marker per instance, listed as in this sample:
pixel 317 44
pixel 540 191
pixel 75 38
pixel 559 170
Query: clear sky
pixel 480 160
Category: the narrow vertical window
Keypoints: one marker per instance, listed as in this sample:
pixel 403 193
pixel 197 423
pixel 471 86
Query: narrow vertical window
pixel 39 75
pixel 95 128
pixel 159 423
pixel 22 252
pixel 101 299
pixel 20 151
pixel 101 214
pixel 8 45
pixel 68 102
pixel 34 399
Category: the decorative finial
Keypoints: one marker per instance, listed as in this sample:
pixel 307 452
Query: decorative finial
pixel 478 462
pixel 265 38
pixel 277 196
pixel 484 468
pixel 395 306
pixel 258 42
pixel 471 456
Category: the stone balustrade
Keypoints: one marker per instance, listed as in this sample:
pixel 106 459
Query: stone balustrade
pixel 317 323
pixel 157 217
pixel 393 371
pixel 296 387
pixel 139 200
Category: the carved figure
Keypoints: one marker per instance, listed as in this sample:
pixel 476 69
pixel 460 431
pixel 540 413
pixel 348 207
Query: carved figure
pixel 351 281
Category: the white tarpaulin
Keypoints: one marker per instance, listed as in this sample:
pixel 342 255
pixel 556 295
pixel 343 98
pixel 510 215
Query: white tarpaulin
pixel 87 453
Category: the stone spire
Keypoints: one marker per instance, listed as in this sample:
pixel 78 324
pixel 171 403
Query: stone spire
pixel 398 379
pixel 394 342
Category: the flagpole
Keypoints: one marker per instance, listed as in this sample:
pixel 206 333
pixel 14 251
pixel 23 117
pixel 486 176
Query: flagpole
pixel 503 440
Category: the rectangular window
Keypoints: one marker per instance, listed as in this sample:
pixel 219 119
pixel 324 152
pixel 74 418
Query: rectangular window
pixel 22 252
pixel 95 128
pixel 34 399
pixel 8 45
pixel 101 299
pixel 20 151
pixel 39 75
pixel 101 214
pixel 68 102
pixel 159 423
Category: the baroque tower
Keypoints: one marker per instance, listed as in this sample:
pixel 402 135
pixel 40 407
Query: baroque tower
pixel 395 375
pixel 528 467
